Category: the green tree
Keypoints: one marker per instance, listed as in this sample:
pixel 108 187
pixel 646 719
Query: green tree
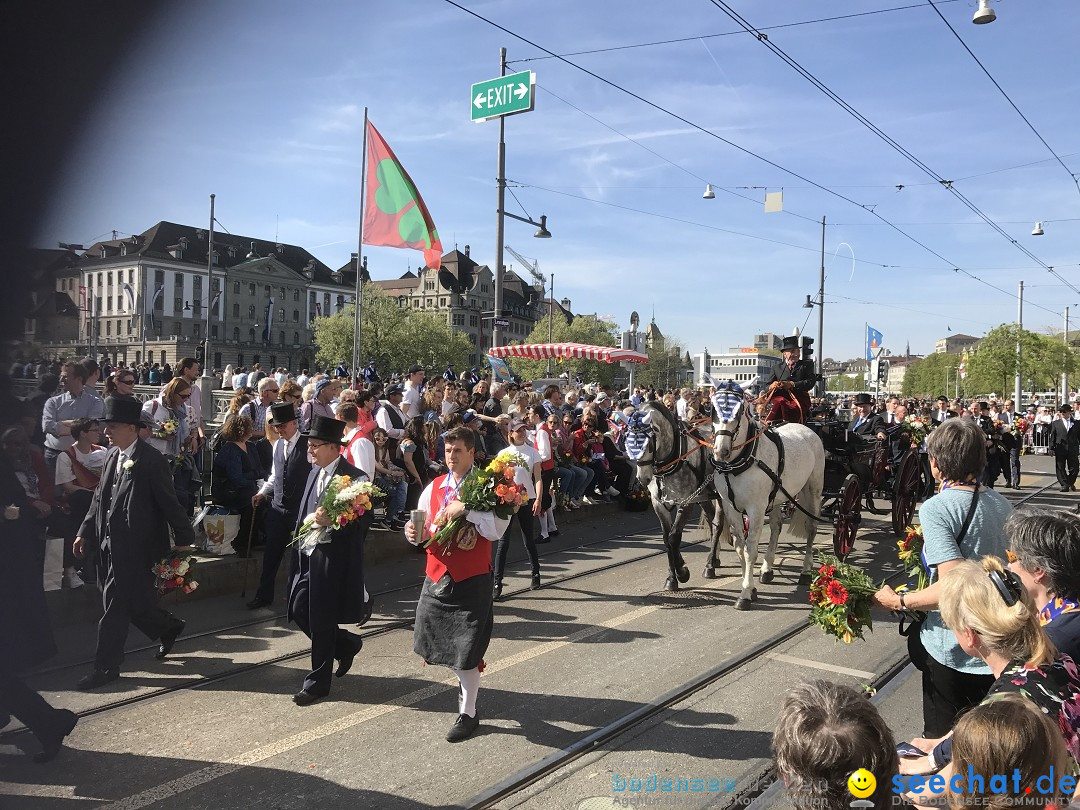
pixel 394 337
pixel 992 368
pixel 665 362
pixel 931 376
pixel 584 329
pixel 846 382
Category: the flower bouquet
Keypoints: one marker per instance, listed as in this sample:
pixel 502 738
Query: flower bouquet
pixel 491 489
pixel 841 598
pixel 915 426
pixel 1019 427
pixel 909 550
pixel 343 501
pixel 176 572
pixel 167 429
pixel 637 499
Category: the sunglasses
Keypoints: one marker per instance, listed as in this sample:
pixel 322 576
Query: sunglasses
pixel 186 396
pixel 125 382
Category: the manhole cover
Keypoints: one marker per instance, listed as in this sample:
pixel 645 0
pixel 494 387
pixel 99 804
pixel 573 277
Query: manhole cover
pixel 688 598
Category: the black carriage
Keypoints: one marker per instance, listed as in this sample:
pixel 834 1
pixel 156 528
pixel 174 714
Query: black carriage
pixel 856 467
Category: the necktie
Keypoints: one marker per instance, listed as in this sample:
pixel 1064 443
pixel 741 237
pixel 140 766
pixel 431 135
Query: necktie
pixel 858 423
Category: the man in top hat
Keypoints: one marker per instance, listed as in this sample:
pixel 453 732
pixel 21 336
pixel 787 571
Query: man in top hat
pixel 284 489
pixel 789 386
pixel 327 586
pixel 866 423
pixel 126 530
pixel 454 613
pixel 1065 445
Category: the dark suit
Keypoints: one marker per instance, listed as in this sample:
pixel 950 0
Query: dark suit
pixel 290 481
pixel 867 427
pixel 1065 445
pixel 127 532
pixel 802 377
pixel 327 588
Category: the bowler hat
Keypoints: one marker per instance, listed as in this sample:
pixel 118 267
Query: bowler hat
pixel 1065 408
pixel 325 429
pixel 283 412
pixel 864 399
pixel 415 370
pixel 125 410
pixel 791 343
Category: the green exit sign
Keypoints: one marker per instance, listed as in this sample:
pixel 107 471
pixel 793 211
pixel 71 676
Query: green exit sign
pixel 505 95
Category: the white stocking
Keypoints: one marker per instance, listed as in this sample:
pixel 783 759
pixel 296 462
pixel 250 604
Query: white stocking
pixel 543 524
pixel 550 515
pixel 470 686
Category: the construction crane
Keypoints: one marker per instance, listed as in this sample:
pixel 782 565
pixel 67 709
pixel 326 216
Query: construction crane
pixel 534 269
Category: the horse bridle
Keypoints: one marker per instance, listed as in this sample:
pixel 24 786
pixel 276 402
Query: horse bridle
pixel 747 449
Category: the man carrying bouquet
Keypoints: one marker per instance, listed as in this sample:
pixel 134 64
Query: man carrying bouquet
pixel 126 531
pixel 454 613
pixel 327 587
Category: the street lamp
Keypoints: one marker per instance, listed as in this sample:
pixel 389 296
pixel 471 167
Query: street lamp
pixel 541 233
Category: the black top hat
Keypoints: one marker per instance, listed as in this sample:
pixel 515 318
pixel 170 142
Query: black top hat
pixel 125 410
pixel 325 429
pixel 283 412
pixel 864 399
pixel 1065 408
pixel 791 343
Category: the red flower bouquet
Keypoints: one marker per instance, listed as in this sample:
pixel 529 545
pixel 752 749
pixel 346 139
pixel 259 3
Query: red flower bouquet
pixel 840 596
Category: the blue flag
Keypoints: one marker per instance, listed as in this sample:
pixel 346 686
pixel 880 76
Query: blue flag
pixel 873 341
pixel 499 370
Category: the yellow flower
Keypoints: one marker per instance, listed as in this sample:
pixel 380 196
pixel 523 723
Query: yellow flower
pixel 846 638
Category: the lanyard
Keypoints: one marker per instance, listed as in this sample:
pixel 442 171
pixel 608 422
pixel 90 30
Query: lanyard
pixel 450 493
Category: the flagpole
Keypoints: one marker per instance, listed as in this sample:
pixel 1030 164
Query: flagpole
pixel 142 312
pixel 358 297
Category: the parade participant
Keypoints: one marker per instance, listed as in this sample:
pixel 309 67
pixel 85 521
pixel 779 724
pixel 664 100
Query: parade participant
pixel 127 532
pixel 284 489
pixel 454 613
pixel 866 423
pixel 327 587
pixel 529 476
pixel 358 449
pixel 942 413
pixel 78 470
pixel 788 397
pixel 391 418
pixel 1065 447
pixel 326 390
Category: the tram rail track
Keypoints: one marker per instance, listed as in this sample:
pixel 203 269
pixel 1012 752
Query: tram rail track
pixel 385 629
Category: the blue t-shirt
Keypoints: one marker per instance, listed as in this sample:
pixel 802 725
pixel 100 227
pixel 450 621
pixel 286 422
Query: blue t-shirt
pixel 941 517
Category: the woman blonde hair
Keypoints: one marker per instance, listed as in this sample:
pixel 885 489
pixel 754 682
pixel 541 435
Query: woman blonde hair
pixel 1009 735
pixel 241 398
pixel 173 389
pixel 973 597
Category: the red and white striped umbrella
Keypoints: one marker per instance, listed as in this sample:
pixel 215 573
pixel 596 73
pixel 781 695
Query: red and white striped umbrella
pixel 581 351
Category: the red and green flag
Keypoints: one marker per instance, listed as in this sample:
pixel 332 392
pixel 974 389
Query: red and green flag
pixel 394 213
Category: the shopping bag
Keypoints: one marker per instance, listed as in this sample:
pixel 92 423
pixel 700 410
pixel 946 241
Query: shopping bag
pixel 215 528
pixel 54 563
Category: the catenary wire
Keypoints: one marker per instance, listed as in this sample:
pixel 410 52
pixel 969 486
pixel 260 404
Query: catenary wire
pixel 679 40
pixel 876 130
pixel 1073 176
pixel 869 209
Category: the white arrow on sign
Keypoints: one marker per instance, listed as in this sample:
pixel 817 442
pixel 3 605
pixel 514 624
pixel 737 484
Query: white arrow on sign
pixel 478 102
pixel 521 90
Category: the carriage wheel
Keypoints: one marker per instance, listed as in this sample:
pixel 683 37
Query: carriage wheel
pixel 905 493
pixel 847 516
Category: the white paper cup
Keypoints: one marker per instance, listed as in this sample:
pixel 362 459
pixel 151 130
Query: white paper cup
pixel 418 518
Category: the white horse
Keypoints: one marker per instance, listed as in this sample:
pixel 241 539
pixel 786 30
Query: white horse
pixel 748 456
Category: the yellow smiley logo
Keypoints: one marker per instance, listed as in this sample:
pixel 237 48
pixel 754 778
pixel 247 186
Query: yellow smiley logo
pixel 861 783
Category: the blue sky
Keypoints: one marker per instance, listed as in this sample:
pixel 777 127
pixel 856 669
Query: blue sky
pixel 261 102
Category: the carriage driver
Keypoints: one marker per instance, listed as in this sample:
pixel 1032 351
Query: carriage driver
pixel 789 388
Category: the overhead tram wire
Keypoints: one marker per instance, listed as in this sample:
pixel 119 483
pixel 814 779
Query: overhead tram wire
pixel 721 34
pixel 667 160
pixel 948 185
pixel 730 143
pixel 1072 175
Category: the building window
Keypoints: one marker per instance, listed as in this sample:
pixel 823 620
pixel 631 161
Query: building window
pixel 311 298
pixel 473 321
pixel 340 303
pixel 178 305
pixel 196 328
pixel 296 338
pixel 296 316
pixel 159 277
pixel 251 289
pixel 110 278
pixel 326 303
pixel 402 301
pixel 296 295
pixel 281 340
pixel 459 320
pixel 236 288
pixel 281 313
pixel 214 331
pixel 179 282
pixel 236 310
pixel 267 290
pixel 282 294
pixel 251 310
pixel 108 327
pixel 251 335
pixel 236 337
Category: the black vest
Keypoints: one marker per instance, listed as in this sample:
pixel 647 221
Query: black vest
pixel 295 478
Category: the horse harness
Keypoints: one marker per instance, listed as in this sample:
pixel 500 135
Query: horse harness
pixel 689 443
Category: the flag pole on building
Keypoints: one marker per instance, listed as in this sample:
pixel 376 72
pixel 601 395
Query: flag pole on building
pixel 358 298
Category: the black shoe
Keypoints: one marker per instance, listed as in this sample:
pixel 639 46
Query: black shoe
pixel 496 591
pixel 1064 489
pixel 241 551
pixel 541 540
pixel 259 602
pixel 369 606
pixel 535 582
pixel 554 533
pixel 306 698
pixel 344 665
pixel 463 728
pixel 99 677
pixel 168 639
pixel 52 743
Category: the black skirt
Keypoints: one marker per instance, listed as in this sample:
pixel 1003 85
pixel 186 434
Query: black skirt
pixel 454 621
